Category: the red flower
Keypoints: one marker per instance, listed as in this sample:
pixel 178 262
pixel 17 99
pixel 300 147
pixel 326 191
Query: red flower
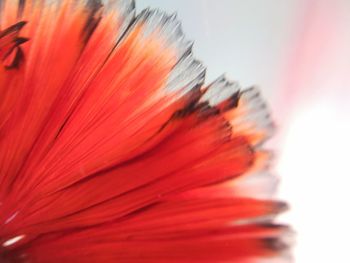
pixel 113 150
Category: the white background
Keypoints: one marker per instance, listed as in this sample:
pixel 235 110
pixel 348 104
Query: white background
pixel 298 52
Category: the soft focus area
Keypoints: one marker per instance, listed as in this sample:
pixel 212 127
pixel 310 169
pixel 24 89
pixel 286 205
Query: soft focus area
pixel 298 52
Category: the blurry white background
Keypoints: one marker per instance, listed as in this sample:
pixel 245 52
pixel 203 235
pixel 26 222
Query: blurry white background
pixel 298 52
